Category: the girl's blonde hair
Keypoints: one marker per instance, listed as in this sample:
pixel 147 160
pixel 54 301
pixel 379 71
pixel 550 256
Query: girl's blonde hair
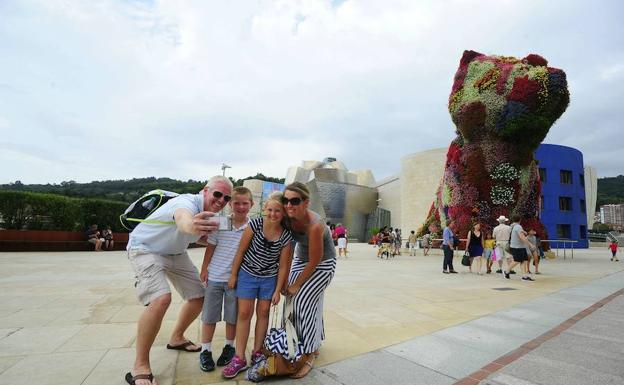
pixel 276 197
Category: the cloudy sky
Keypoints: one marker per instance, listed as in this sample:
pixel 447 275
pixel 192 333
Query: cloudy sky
pixel 95 89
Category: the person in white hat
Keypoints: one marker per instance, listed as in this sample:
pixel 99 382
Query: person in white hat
pixel 501 234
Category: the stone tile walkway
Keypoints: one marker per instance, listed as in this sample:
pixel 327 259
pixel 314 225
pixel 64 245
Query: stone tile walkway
pixel 70 318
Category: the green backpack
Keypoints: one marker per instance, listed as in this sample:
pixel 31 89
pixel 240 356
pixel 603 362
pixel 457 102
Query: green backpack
pixel 143 207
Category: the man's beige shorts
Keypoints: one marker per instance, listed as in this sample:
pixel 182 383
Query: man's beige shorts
pixel 152 271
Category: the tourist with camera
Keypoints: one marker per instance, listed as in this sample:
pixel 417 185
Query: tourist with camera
pixel 157 250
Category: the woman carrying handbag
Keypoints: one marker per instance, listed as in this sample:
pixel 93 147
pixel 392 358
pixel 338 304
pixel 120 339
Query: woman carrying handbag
pixel 474 247
pixel 311 272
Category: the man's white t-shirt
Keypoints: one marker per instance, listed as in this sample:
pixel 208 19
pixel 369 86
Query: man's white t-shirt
pixel 166 238
pixel 501 232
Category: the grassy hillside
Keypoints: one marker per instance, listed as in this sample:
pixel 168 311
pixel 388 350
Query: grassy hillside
pixel 610 191
pixel 122 190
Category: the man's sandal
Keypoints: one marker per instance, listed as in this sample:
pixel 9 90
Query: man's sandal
pixel 297 375
pixel 130 379
pixel 183 347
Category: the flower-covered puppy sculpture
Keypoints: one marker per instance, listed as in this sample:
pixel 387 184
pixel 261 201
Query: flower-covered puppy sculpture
pixel 503 108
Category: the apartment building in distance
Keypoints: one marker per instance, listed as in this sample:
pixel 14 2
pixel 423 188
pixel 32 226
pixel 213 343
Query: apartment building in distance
pixel 613 215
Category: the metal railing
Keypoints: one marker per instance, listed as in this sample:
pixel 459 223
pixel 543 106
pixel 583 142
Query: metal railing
pixel 565 243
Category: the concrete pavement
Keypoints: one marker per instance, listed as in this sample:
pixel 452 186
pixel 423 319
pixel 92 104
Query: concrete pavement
pixel 70 318
pixel 537 342
pixel 589 351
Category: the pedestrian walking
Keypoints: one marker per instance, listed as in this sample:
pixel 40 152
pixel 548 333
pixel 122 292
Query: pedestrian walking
pixel 614 249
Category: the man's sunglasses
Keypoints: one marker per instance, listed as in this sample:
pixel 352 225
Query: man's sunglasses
pixel 219 194
pixel 292 201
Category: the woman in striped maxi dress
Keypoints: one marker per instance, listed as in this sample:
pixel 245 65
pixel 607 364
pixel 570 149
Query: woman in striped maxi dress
pixel 312 269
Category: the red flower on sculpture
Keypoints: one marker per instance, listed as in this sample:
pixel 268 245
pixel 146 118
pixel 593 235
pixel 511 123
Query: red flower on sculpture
pixel 523 88
pixel 535 60
pixel 454 154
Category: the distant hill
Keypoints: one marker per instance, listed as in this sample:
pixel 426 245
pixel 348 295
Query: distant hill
pixel 122 190
pixel 610 191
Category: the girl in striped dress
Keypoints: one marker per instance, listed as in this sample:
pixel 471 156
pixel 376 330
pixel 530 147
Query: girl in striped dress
pixel 259 272
pixel 312 270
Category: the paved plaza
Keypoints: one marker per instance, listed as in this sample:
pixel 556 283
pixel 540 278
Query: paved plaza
pixel 70 318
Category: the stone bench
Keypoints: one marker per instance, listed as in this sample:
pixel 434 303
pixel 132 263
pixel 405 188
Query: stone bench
pixel 37 240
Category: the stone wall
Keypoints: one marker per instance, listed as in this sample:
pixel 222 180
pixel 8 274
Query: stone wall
pixel 420 177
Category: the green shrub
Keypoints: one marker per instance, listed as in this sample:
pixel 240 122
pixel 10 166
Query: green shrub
pixel 13 209
pixel 36 211
pixel 102 212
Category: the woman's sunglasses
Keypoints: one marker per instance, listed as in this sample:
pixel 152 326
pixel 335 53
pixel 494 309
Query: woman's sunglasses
pixel 219 194
pixel 293 201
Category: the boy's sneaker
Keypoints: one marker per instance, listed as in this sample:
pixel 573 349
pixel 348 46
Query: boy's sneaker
pixel 512 272
pixel 256 356
pixel 235 366
pixel 499 271
pixel 226 355
pixel 206 363
pixel 506 274
pixel 529 279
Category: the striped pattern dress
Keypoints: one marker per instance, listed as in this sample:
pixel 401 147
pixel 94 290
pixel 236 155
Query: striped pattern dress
pixel 308 302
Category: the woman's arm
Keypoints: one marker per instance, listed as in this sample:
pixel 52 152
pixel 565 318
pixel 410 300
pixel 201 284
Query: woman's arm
pixel 468 240
pixel 282 275
pixel 315 253
pixel 240 253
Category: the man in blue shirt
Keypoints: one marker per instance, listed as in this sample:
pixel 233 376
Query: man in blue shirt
pixel 448 245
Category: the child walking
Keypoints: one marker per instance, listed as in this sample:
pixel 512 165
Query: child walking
pixel 614 248
pixel 488 249
pixel 219 300
pixel 533 254
pixel 259 272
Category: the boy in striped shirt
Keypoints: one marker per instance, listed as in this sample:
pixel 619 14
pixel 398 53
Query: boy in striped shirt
pixel 215 272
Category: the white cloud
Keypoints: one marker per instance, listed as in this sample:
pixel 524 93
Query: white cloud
pixel 173 89
pixel 612 72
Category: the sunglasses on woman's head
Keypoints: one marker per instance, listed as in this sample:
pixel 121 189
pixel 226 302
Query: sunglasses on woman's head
pixel 293 201
pixel 219 194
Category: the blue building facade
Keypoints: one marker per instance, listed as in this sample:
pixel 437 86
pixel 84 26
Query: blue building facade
pixel 563 206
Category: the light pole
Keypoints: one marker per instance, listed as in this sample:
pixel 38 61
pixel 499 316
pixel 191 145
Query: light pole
pixel 223 167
